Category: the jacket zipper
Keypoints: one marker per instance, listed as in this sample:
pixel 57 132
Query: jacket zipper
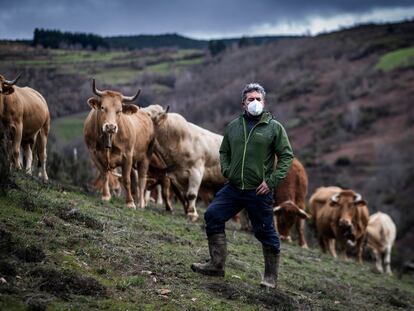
pixel 245 147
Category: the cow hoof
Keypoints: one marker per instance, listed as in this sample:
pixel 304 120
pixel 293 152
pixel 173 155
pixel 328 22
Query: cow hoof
pixel 106 198
pixel 193 217
pixel 131 205
pixel 305 246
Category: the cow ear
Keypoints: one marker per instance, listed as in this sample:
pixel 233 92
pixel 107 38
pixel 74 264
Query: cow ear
pixel 7 90
pixel 361 202
pixel 129 108
pixel 161 118
pixel 94 103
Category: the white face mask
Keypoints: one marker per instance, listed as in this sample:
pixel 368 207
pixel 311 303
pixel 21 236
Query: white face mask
pixel 255 108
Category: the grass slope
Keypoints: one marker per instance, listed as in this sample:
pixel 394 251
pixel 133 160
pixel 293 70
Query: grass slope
pixel 70 127
pixel 396 59
pixel 62 249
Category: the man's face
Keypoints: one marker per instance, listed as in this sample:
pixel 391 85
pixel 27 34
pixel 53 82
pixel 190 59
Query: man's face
pixel 251 97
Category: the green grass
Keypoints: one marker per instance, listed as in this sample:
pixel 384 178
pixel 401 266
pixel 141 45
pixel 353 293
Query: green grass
pixel 117 75
pixel 70 127
pixel 135 254
pixel 396 59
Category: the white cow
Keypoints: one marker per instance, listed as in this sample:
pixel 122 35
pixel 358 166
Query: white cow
pixel 381 233
pixel 190 154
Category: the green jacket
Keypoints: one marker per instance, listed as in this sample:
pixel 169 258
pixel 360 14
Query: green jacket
pixel 248 158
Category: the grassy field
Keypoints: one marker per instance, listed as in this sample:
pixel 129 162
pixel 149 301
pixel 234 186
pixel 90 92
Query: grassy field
pixel 396 59
pixel 69 128
pixel 110 67
pixel 62 249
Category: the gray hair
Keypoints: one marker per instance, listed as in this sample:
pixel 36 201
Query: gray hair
pixel 253 87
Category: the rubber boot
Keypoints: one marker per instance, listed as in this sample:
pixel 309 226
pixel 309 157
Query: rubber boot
pixel 271 259
pixel 218 252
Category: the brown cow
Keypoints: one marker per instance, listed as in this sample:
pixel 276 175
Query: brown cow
pixel 25 115
pixel 344 218
pixel 189 152
pixel 319 199
pixel 289 204
pixel 119 134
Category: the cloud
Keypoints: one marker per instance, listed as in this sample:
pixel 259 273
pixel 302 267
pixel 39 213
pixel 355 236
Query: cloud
pixel 201 18
pixel 317 24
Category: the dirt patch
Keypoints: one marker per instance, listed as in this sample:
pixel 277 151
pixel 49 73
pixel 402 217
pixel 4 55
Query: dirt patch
pixel 73 215
pixel 31 253
pixel 272 299
pixel 65 283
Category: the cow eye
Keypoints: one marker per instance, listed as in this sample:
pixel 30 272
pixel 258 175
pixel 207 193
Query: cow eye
pixel 102 108
pixel 119 111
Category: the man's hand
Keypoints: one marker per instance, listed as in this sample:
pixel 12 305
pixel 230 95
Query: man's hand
pixel 263 189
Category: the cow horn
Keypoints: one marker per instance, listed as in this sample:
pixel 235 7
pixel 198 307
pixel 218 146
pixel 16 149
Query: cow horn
pixel 131 98
pixel 358 197
pixel 335 197
pixel 13 82
pixel 168 108
pixel 95 90
pixel 303 213
pixel 277 208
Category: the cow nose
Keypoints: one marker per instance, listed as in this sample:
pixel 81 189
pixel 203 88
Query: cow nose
pixel 110 128
pixel 344 223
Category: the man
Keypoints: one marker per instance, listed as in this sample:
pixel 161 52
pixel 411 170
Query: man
pixel 247 156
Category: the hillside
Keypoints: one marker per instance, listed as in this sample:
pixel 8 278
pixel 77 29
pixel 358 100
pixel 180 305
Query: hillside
pixel 63 249
pixel 345 99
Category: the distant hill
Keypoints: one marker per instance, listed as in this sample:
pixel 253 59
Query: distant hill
pixel 60 40
pixel 155 41
pixel 178 41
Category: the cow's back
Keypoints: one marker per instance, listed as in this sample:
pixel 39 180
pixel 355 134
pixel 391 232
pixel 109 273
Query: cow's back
pixel 294 187
pixel 29 107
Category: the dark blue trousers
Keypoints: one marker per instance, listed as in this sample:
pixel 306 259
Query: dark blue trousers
pixel 230 200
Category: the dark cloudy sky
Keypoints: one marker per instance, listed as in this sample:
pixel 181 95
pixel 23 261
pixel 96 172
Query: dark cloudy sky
pixel 195 18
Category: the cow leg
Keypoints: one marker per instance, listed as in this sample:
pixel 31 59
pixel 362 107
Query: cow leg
pixel 165 192
pixel 300 227
pixel 159 195
pixel 360 248
pixel 194 182
pixel 28 158
pixel 41 142
pixel 378 260
pixel 134 185
pixel 387 260
pixel 17 140
pixel 331 247
pixel 142 180
pixel 126 180
pixel 104 174
pixel 245 221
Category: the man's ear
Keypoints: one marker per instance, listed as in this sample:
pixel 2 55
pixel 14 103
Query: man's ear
pixel 94 103
pixel 129 108
pixel 7 90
